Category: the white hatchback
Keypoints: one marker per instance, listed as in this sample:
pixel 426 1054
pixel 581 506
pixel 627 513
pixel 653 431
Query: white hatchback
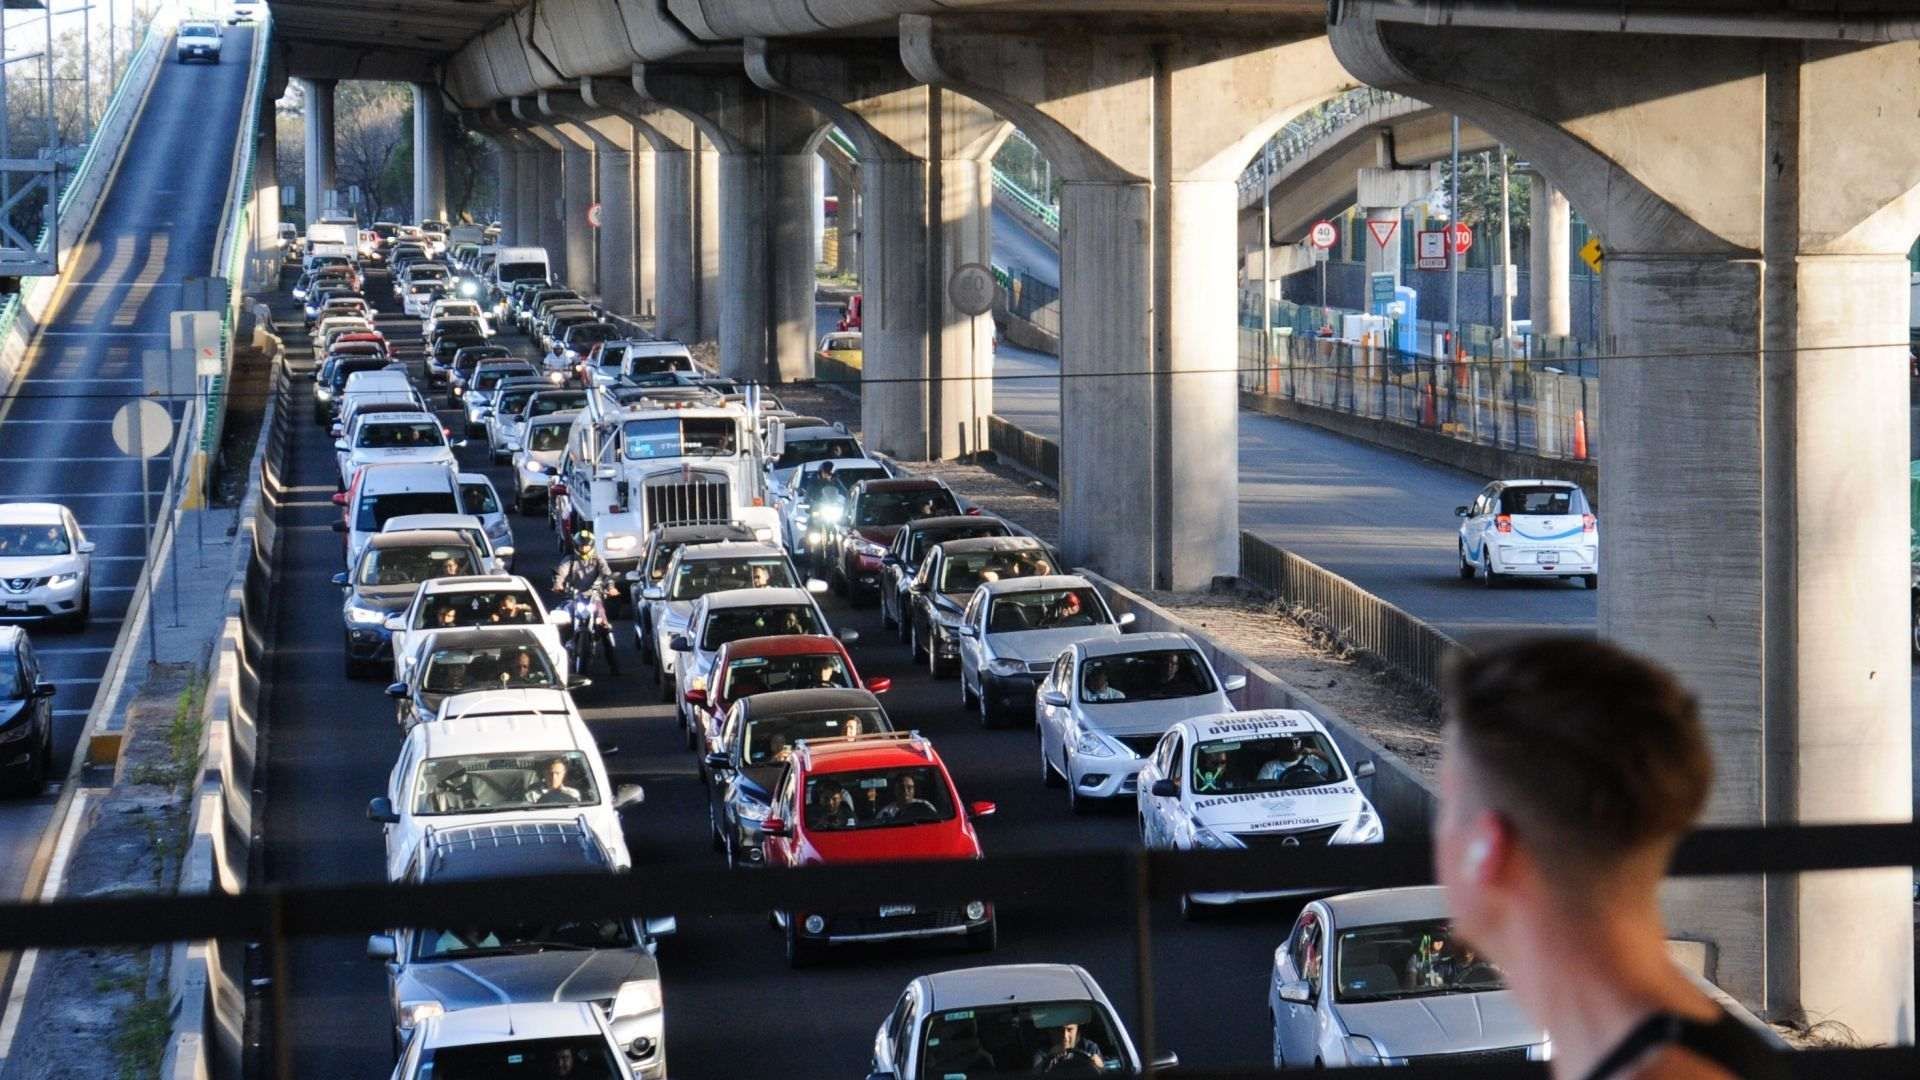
pixel 1529 528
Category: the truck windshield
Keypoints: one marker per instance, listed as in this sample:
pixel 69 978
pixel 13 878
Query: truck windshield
pixel 712 436
pixel 521 271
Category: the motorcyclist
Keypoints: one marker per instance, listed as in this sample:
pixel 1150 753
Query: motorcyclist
pixel 585 573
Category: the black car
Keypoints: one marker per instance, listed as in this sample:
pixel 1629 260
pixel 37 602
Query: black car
pixel 333 382
pixel 909 549
pixel 946 579
pixel 390 572
pixel 460 368
pixel 26 715
pixel 656 553
pixel 741 775
pixel 444 349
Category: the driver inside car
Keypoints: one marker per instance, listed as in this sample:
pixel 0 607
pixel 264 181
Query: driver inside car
pixel 1067 1052
pixel 907 802
pixel 1293 764
pixel 554 789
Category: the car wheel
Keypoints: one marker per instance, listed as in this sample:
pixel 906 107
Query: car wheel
pixel 886 621
pixel 986 938
pixel 801 952
pixel 967 700
pixel 841 588
pixel 989 716
pixel 1492 580
pixel 665 680
pixel 1466 568
pixel 901 625
pixel 1191 910
pixel 1048 775
pixel 913 636
pixel 1591 581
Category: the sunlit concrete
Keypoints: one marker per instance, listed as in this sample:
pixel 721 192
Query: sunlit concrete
pixel 429 154
pixel 317 95
pixel 613 141
pixel 569 226
pixel 667 257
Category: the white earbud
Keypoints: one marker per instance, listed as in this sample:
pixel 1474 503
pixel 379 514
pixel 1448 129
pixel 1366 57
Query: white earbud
pixel 1476 854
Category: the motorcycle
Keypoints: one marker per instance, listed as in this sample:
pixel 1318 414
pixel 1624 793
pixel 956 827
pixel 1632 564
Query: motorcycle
pixel 585 611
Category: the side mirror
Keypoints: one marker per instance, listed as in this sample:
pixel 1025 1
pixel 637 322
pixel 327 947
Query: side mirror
pixel 1296 991
pixel 661 926
pixel 1460 511
pixel 652 592
pixel 1233 684
pixel 635 576
pixel 85 547
pixel 397 690
pixel 847 635
pixel 341 444
pixel 397 623
pixel 1364 770
pixel 973 511
pixel 340 578
pixel 977 810
pixel 774 826
pixel 720 762
pixel 1054 698
pixel 380 811
pixel 1164 1061
pixel 381 947
pixel 816 586
pixel 560 618
pixel 879 684
pixel 679 643
pixel 43 688
pixel 696 696
pixel 967 630
pixel 339 498
pixel 1128 619
pixel 627 795
pixel 579 682
pixel 1164 789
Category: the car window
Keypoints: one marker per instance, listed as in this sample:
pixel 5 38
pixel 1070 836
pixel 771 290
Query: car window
pixel 1045 609
pixel 1557 501
pixel 900 507
pixel 400 436
pixel 811 671
pixel 510 938
pixel 413 564
pixel 456 671
pixel 698 577
pixel 558 401
pixel 1145 676
pixel 692 437
pixel 587 1057
pixel 478 607
pixel 12 674
pixel 922 539
pixel 795 454
pixel 1020 1038
pixel 770 740
pixel 1421 958
pixel 732 624
pixel 1177 762
pixel 877 799
pixel 375 510
pixel 489 783
pixel 19 540
pixel 1283 761
pixel 963 571
pixel 479 498
pixel 1305 951
pixel 549 437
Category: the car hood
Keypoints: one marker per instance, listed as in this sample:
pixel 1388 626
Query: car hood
pixel 1284 811
pixel 544 457
pixel 1149 717
pixel 11 711
pixel 1036 646
pixel 1442 1024
pixel 943 840
pixel 383 597
pixel 546 976
pixel 36 566
pixel 759 780
pixel 410 455
pixel 877 534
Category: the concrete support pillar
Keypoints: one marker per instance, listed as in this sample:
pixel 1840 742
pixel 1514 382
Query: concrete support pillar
pixel 766 188
pixel 1756 281
pixel 705 179
pixel 568 232
pixel 320 178
pixel 266 195
pixel 1383 194
pixel 1382 258
pixel 1550 254
pixel 429 154
pixel 670 224
pixel 1149 122
pixel 528 158
pixel 644 224
pixel 612 138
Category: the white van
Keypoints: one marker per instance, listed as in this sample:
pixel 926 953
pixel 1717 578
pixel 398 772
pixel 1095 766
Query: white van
pixel 511 264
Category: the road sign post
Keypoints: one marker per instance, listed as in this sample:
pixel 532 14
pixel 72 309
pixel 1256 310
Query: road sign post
pixel 142 430
pixel 971 288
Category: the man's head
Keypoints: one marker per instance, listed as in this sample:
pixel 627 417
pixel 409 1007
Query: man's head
pixel 522 663
pixel 1571 769
pixel 909 787
pixel 759 576
pixel 556 773
pixel 1097 678
pixel 826 470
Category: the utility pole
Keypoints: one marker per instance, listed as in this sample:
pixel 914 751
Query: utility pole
pixel 1266 261
pixel 1453 257
pixel 1506 257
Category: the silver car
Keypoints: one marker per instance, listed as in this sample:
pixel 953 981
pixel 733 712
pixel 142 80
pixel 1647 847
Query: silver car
pixel 1103 707
pixel 1013 630
pixel 479 499
pixel 1005 1020
pixel 696 570
pixel 503 412
pixel 46 564
pixel 476 397
pixel 537 461
pixel 720 617
pixel 1402 989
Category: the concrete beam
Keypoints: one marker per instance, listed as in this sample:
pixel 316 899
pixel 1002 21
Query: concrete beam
pixel 577 257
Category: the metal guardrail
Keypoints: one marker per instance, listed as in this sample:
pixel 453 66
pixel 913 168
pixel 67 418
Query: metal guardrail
pixel 1033 204
pixel 1303 133
pixel 235 233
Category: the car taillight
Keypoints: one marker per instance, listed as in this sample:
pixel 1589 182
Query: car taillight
pixel 1504 523
pixel 1587 524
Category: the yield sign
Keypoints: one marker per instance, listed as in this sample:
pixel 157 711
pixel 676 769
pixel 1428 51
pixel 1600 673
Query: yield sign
pixel 1383 231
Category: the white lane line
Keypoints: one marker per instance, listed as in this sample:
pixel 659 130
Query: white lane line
pixel 71 712
pixel 56 876
pixel 91 460
pixel 111 588
pixel 106 333
pixel 83 420
pixel 71 651
pixel 70 379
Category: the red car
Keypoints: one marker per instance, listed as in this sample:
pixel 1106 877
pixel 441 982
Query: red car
pixel 875 511
pixel 756 665
pixel 875 798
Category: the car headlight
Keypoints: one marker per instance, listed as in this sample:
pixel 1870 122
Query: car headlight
pixel 358 614
pixel 1006 667
pixel 1094 744
pixel 637 997
pixel 622 543
pixel 556 377
pixel 534 468
pixel 457 391
pixel 323 393
pixel 1364 829
pixel 412 1012
pixel 1361 1051
pixel 829 513
pixel 468 288
pixel 868 548
pixel 1540 1051
pixel 813 537
pixel 1207 838
pixel 67 578
pixel 697 682
pixel 748 808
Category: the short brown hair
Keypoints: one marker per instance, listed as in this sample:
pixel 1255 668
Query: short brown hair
pixel 1584 745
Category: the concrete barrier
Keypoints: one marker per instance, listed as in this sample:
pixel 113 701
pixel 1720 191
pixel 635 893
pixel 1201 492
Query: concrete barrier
pixel 1024 450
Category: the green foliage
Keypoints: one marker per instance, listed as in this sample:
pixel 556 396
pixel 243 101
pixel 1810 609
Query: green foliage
pixel 142 1040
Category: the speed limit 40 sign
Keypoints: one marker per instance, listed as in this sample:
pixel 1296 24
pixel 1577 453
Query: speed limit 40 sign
pixel 1323 235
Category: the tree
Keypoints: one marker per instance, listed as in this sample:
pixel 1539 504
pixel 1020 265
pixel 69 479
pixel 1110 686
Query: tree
pixel 372 121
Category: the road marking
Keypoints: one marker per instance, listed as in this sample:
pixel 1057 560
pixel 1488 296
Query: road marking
pixel 71 712
pixel 74 651
pixel 105 333
pixel 11 460
pixel 56 876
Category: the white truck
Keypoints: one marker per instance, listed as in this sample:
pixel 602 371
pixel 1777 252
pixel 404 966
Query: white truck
pixel 335 230
pixel 628 468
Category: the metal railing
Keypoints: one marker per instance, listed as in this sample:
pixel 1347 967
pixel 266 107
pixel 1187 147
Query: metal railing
pixel 1028 297
pixel 1303 134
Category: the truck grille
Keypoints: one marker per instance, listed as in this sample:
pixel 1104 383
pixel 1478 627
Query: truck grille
pixel 690 498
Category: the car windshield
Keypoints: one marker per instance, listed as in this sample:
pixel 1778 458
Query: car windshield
pixel 548 437
pixel 575 1057
pixel 655 363
pixel 1556 501
pixel 49 539
pixel 413 564
pixel 479 498
pixel 796 454
pixel 520 271
pixel 965 571
pixel 900 507
pixel 1045 609
pixel 922 539
pixel 710 436
pixel 512 401
pixel 487 380
pixel 486 783
pixel 1287 761
pixel 496 667
pixel 522 937
pixel 553 401
pixel 479 607
pixel 770 741
pixel 877 799
pixel 588 333
pixel 698 577
pixel 751 675
pixel 415 433
pixel 1144 676
pixel 1068 1038
pixel 732 624
pixel 1409 959
pixel 376 509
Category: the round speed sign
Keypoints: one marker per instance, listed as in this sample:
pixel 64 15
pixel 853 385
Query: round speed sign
pixel 593 215
pixel 1323 235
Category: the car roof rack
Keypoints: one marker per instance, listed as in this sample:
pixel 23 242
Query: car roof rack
pixel 910 740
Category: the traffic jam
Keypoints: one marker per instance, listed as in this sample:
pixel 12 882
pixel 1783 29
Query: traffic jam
pixel 546 517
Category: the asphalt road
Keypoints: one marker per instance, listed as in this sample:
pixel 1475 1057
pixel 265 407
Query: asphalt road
pixel 155 228
pixel 331 743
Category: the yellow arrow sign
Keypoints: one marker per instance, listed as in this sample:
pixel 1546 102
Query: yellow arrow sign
pixel 1592 253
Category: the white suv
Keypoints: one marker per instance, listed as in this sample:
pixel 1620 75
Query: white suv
pixel 493 1040
pixel 197 41
pixel 46 564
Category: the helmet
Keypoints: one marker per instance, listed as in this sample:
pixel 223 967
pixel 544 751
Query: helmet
pixel 583 539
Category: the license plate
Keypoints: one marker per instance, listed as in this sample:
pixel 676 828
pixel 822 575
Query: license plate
pixel 1547 557
pixel 890 910
pixel 16 607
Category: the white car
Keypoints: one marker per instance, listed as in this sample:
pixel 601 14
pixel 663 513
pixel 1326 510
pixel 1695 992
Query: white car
pixel 1403 989
pixel 492 753
pixel 800 445
pixel 694 571
pixel 478 498
pixel 801 527
pixel 1015 628
pixel 1005 1020
pixel 487 600
pixel 197 41
pixel 455 309
pixel 494 1040
pixel 1103 707
pixel 1529 528
pixel 501 416
pixel 385 438
pixel 380 492
pixel 420 294
pixel 1266 777
pixel 46 564
pixel 720 617
pixel 537 461
pixel 476 392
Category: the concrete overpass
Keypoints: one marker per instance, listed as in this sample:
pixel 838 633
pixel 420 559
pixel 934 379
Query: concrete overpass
pixel 1749 176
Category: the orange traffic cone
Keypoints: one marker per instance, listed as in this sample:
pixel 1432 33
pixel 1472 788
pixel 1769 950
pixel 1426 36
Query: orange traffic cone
pixel 1428 416
pixel 1579 434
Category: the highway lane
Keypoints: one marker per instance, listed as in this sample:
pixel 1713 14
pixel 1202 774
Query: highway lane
pixel 330 744
pixel 155 228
